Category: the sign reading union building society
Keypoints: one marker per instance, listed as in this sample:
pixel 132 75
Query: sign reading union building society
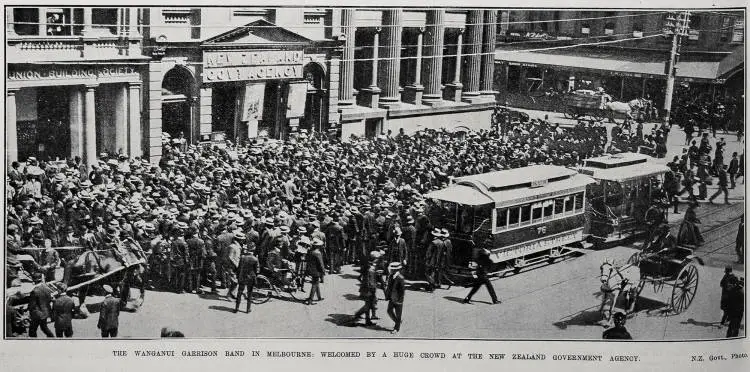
pixel 255 65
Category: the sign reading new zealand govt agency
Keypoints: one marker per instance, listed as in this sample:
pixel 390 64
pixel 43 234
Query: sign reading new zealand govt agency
pixel 252 65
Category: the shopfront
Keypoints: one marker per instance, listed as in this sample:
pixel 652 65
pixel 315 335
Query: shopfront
pixel 256 92
pixel 63 111
pixel 263 84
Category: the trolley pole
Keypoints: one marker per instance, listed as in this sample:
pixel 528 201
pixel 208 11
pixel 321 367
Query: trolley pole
pixel 677 25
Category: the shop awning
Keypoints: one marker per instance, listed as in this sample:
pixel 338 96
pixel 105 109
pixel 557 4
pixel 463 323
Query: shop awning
pixel 628 65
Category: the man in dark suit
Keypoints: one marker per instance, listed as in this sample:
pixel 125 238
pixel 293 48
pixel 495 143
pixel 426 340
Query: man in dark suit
pixel 109 314
pixel 722 187
pixel 62 310
pixel 734 168
pixel 247 269
pixel 39 307
pixel 483 265
pixel 367 290
pixel 395 294
pixel 316 270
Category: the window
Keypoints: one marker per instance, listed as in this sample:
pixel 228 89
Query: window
pixel 501 219
pixel 525 214
pixel 548 205
pixel 637 30
pixel 536 212
pixel 26 21
pixel 738 31
pixel 58 21
pixel 568 204
pixel 559 205
pixel 579 202
pixel 104 20
pixel 513 214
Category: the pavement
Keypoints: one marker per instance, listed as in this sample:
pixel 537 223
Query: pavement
pixel 558 301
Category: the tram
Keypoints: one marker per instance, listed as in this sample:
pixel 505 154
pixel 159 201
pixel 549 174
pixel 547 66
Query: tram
pixel 621 195
pixel 523 216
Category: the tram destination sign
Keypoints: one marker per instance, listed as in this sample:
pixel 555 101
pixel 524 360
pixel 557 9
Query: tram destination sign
pixel 252 65
pixel 537 245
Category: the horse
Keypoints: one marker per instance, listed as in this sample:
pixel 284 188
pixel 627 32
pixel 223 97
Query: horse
pixel 92 264
pixel 616 280
pixel 633 110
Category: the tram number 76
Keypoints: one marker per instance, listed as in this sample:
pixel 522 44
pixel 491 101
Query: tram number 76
pixel 541 230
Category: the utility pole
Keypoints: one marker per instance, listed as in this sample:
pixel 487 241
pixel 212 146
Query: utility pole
pixel 677 25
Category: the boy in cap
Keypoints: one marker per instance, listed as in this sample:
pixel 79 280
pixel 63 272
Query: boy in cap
pixel 109 314
pixel 247 269
pixel 316 270
pixel 62 310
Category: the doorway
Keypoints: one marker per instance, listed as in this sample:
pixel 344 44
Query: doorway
pixel 373 127
pixel 176 117
pixel 273 124
pixel 53 125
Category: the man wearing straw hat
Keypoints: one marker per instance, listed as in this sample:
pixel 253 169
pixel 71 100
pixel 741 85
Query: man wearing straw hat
pixel 395 294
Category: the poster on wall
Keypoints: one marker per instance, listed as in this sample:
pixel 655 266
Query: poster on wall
pixel 252 103
pixel 297 97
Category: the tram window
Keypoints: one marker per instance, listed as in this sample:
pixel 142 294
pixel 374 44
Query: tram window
pixel 568 203
pixel 513 214
pixel 536 212
pixel 548 205
pixel 501 221
pixel 579 202
pixel 526 214
pixel 559 205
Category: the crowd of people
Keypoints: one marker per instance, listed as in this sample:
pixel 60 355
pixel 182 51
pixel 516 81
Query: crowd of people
pixel 194 216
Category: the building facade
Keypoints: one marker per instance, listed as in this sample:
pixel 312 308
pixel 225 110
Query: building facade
pixel 407 70
pixel 626 54
pixel 82 81
pixel 74 82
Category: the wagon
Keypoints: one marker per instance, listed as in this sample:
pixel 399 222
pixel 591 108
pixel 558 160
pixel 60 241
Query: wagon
pixel 674 268
pixel 582 103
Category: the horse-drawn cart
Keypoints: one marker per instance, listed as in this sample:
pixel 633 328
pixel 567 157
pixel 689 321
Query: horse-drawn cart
pixel 675 269
pixel 581 103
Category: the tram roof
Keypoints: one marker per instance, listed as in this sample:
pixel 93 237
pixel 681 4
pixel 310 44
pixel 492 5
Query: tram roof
pixel 517 177
pixel 617 160
pixel 512 186
pixel 625 173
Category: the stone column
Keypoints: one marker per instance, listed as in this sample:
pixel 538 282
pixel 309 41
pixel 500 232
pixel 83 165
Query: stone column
pixel 453 90
pixel 42 22
pixel 371 94
pixel 133 22
pixel 153 144
pixel 121 119
pixel 205 98
pixel 75 111
pixel 390 68
pixel 134 119
pixel 473 50
pixel 90 124
pixel 348 30
pixel 488 55
pixel 10 27
pixel 415 90
pixel 11 131
pixel 433 72
pixel 87 22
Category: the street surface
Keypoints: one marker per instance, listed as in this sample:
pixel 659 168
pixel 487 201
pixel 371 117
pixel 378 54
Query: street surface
pixel 558 301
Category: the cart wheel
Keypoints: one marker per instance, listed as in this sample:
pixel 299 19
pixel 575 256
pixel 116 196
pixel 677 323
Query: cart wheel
pixel 262 290
pixel 684 288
